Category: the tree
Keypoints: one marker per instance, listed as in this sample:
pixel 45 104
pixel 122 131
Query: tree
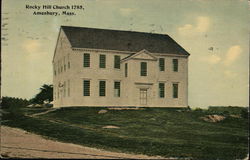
pixel 45 94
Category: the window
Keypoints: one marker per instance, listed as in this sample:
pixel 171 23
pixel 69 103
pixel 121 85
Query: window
pixel 126 69
pixel 117 89
pixel 161 90
pixel 55 69
pixel 86 60
pixel 102 88
pixel 162 64
pixel 175 65
pixel 175 90
pixel 64 63
pixel 143 68
pixel 86 88
pixel 102 63
pixel 68 88
pixel 68 62
pixel 117 62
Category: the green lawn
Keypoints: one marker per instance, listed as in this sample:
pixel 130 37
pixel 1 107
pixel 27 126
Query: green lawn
pixel 151 131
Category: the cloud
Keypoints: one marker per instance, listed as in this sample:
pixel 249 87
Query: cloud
pixel 31 46
pixel 230 74
pixel 201 25
pixel 126 11
pixel 212 59
pixel 232 55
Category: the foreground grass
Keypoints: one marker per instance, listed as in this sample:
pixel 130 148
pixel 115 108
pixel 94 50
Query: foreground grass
pixel 151 131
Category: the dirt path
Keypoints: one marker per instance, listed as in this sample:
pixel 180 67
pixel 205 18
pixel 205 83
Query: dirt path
pixel 17 143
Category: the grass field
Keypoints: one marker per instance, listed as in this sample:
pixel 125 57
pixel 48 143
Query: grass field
pixel 152 131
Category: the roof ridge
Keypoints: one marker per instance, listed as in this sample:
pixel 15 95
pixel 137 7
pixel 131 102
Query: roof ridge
pixel 62 26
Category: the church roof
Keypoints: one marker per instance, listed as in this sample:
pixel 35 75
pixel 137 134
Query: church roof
pixel 93 38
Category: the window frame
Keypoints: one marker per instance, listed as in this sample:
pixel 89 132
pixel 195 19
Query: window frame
pixel 102 89
pixel 86 88
pixel 102 61
pixel 119 88
pixel 162 64
pixel 175 65
pixel 161 87
pixel 175 90
pixel 143 71
pixel 64 63
pixel 68 62
pixel 117 64
pixel 86 60
pixel 126 69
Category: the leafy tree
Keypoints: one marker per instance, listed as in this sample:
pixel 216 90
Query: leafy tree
pixel 45 94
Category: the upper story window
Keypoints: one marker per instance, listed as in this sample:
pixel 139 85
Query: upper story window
pixel 86 60
pixel 126 69
pixel 175 90
pixel 68 62
pixel 117 61
pixel 102 61
pixel 64 63
pixel 175 65
pixel 86 87
pixel 161 90
pixel 102 88
pixel 161 64
pixel 143 68
pixel 117 89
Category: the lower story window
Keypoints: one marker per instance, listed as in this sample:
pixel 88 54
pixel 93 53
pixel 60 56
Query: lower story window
pixel 102 88
pixel 161 90
pixel 175 90
pixel 117 89
pixel 86 87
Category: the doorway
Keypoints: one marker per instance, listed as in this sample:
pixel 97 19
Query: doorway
pixel 143 96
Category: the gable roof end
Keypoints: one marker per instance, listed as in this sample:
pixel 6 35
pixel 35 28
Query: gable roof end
pixel 138 53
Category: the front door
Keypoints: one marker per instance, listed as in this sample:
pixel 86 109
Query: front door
pixel 143 96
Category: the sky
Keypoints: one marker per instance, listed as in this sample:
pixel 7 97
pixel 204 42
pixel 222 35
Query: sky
pixel 214 32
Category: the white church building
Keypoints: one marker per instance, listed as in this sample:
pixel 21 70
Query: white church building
pixel 113 68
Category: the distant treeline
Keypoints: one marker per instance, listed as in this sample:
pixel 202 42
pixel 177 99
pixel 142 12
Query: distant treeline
pixel 228 110
pixel 13 102
pixel 45 95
